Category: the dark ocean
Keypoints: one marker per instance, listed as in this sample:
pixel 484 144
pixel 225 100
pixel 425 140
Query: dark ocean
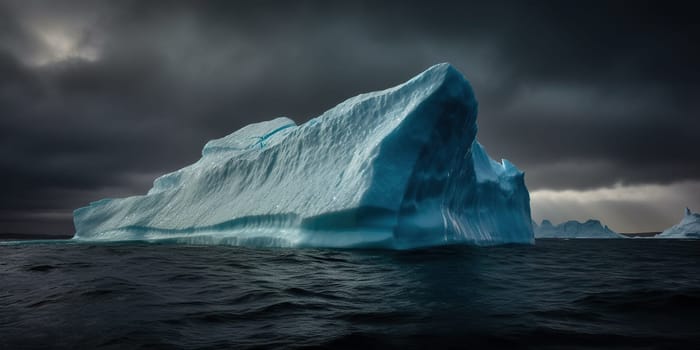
pixel 635 293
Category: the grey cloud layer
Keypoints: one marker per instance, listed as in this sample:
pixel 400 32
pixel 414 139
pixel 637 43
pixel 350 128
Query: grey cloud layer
pixel 96 97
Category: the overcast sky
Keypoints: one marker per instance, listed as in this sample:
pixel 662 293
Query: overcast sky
pixel 597 101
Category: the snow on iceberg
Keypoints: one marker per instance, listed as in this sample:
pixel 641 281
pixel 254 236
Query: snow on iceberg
pixel 689 227
pixel 399 168
pixel 574 229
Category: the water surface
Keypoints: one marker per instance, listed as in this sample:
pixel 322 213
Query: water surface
pixel 632 293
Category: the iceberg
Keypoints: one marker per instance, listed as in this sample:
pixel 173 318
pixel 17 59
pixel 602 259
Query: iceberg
pixel 399 168
pixel 574 229
pixel 689 227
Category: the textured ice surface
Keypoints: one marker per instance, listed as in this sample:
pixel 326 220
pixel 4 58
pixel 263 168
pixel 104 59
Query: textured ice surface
pixel 398 168
pixel 689 227
pixel 574 229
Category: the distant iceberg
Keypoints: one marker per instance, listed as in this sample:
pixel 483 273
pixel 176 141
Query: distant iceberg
pixel 574 229
pixel 399 168
pixel 689 227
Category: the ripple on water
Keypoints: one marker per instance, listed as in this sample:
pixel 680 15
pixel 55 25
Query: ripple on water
pixel 629 293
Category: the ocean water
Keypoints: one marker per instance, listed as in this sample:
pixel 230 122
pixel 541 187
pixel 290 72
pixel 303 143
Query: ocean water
pixel 635 293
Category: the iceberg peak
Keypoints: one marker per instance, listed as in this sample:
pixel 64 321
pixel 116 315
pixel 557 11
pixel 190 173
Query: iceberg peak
pixel 689 227
pixel 591 228
pixel 398 168
pixel 444 69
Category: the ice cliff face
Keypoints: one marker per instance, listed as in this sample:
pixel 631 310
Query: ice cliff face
pixel 689 227
pixel 574 229
pixel 398 168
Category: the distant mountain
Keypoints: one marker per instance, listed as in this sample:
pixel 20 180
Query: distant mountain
pixel 31 236
pixel 689 227
pixel 640 234
pixel 574 229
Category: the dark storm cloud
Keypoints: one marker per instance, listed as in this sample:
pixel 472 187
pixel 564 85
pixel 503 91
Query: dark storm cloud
pixel 97 98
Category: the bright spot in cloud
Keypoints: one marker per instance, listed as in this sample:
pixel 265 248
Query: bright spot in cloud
pixel 62 45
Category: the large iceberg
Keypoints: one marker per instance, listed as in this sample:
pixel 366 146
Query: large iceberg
pixel 689 227
pixel 574 229
pixel 399 168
